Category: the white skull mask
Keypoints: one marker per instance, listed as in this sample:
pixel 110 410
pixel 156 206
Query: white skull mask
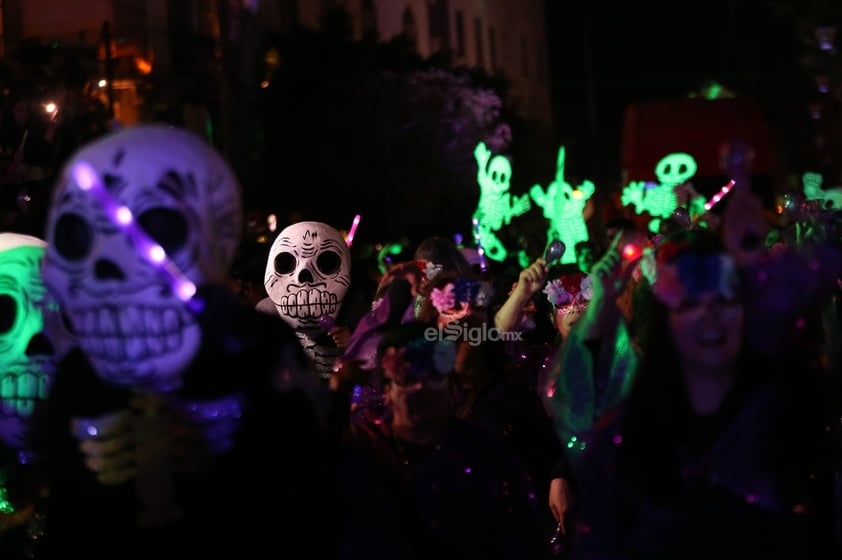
pixel 307 274
pixel 31 337
pixel 183 196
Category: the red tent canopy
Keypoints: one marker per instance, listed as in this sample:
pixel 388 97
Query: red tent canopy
pixel 695 126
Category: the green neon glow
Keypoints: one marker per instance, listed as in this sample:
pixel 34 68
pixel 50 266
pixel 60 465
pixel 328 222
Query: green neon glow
pixel 384 255
pixel 5 505
pixel 661 199
pixel 830 198
pixel 523 259
pixel 563 206
pixel 496 205
pixel 713 90
pixel 21 283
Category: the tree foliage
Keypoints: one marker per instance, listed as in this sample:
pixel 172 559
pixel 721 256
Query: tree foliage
pixel 371 128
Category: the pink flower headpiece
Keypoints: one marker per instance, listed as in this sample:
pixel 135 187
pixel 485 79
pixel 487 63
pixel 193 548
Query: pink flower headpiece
pixel 459 297
pixel 568 289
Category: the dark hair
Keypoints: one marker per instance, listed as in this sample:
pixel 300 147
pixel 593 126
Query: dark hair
pixel 444 252
pixel 657 419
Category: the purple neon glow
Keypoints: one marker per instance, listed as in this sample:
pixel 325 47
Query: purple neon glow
pixel 87 179
pixel 123 215
pixel 185 289
pixel 84 175
pixel 156 254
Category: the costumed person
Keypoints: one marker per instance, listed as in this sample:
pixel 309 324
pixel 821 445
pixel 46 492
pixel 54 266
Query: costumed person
pixel 593 367
pixel 394 303
pixel 184 424
pixel 422 483
pixel 718 450
pixel 483 389
pixel 32 340
pixel 307 277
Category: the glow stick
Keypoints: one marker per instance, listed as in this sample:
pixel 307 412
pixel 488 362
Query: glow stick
pixel 480 250
pixel 350 237
pixel 121 216
pixel 718 196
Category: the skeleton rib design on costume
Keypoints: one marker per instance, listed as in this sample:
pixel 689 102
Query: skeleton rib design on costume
pixel 308 273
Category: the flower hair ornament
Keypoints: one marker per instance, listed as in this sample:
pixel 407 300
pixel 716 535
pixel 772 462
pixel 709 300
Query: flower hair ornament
pixel 418 359
pixel 457 298
pixel 569 289
pixel 429 269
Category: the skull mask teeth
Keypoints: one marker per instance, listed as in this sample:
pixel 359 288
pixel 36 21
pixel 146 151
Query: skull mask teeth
pixel 124 313
pixel 308 273
pixel 29 348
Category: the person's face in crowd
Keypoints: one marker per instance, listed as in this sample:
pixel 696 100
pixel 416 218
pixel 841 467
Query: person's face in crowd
pixel 567 316
pixel 420 400
pixel 707 330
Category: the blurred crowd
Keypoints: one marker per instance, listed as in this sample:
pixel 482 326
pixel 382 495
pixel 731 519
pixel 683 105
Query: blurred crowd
pixel 171 389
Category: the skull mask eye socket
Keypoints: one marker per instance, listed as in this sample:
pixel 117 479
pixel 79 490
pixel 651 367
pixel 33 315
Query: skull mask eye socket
pixel 285 263
pixel 72 237
pixel 8 313
pixel 328 262
pixel 166 226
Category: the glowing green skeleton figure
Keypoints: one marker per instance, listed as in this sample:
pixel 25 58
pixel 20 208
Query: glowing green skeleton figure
pixel 563 206
pixel 831 199
pixel 662 198
pixel 27 353
pixel 496 205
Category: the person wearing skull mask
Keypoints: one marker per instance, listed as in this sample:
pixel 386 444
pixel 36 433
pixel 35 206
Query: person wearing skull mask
pixel 32 340
pixel 163 429
pixel 308 274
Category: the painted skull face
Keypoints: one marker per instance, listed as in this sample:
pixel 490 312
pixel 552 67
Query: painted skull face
pixel 499 175
pixel 125 314
pixel 31 335
pixel 675 169
pixel 307 274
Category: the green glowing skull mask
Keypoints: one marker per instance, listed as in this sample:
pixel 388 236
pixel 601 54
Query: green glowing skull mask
pixel 28 348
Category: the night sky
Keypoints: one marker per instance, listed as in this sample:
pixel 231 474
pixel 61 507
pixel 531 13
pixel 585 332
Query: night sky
pixel 653 51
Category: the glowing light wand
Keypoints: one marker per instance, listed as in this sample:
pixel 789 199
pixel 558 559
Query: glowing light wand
pixel 350 237
pixel 480 250
pixel 121 216
pixel 718 196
